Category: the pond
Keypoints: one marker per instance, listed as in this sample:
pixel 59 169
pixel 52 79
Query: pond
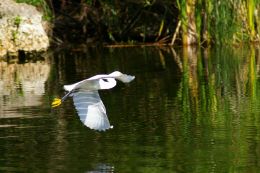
pixel 188 110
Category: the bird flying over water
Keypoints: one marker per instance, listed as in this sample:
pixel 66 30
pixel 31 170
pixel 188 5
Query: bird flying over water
pixel 87 101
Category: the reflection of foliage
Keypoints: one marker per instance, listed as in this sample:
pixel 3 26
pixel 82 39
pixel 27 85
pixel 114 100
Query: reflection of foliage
pixel 218 95
pixel 207 79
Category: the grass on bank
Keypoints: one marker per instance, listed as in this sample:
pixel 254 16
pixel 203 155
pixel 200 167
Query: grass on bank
pixel 40 5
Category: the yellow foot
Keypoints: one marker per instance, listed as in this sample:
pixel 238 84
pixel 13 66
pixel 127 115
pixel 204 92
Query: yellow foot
pixel 56 102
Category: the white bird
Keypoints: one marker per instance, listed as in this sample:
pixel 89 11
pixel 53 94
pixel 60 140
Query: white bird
pixel 89 106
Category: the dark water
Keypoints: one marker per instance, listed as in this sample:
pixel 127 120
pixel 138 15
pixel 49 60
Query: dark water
pixel 187 111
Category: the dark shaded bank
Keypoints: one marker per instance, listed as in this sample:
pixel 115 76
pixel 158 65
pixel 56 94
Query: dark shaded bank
pixel 185 22
pixel 181 22
pixel 114 21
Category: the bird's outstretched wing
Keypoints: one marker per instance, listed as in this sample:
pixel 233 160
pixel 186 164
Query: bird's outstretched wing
pixel 93 83
pixel 91 110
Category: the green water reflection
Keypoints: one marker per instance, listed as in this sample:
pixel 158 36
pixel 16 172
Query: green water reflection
pixel 192 110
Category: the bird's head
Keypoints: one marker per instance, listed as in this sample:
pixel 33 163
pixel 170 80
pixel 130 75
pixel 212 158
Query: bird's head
pixel 122 77
pixel 107 83
pixel 116 74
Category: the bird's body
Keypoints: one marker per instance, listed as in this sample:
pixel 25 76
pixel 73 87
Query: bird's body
pixel 89 106
pixel 92 84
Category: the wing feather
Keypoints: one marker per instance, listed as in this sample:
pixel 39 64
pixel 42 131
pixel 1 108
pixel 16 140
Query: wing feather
pixel 91 110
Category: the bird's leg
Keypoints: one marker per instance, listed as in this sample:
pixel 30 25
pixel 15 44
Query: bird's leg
pixel 66 95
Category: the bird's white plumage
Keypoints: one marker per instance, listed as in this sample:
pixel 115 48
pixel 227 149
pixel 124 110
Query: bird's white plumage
pixel 91 110
pixel 99 81
pixel 89 106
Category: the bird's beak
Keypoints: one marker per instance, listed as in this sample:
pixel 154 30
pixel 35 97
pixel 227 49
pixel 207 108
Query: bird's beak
pixel 56 102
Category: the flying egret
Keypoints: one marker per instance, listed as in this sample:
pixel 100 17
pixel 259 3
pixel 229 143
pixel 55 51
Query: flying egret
pixel 89 106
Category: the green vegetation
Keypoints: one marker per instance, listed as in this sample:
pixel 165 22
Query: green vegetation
pixel 14 35
pixel 17 21
pixel 32 2
pixel 42 5
pixel 218 22
pixel 202 22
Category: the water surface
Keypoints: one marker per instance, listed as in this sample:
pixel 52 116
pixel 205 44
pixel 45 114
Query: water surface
pixel 186 111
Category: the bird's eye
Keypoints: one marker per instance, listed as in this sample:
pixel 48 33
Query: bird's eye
pixel 105 80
